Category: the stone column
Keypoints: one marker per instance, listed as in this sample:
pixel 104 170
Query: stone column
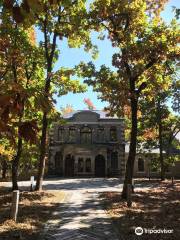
pixel 109 161
pixel 78 131
pixel 66 134
pixel 94 134
pixel 107 133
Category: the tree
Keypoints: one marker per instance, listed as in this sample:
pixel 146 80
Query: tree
pixel 60 20
pixel 56 20
pixel 142 40
pixel 6 153
pixel 17 61
pixel 158 125
pixel 176 96
pixel 172 129
pixel 20 84
pixel 67 109
pixel 89 104
pixel 154 114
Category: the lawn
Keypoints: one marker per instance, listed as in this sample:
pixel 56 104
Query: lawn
pixel 35 208
pixel 155 207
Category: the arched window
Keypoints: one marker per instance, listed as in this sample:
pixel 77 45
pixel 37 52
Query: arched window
pixel 86 135
pixel 80 164
pixel 100 134
pixel 88 165
pixel 140 165
pixel 61 134
pixel 72 134
pixel 113 134
pixel 114 160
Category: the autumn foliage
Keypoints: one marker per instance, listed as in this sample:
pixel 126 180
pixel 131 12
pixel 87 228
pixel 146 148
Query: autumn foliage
pixel 89 104
pixel 146 50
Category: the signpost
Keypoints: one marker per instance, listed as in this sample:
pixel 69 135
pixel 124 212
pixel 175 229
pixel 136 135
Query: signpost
pixel 15 203
pixel 172 170
pixel 32 183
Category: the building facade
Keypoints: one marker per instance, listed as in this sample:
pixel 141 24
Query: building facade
pixel 147 164
pixel 88 143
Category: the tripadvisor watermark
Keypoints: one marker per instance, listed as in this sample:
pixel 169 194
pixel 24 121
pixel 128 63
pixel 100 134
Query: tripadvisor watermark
pixel 139 231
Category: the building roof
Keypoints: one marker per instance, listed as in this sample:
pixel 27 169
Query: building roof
pixel 103 114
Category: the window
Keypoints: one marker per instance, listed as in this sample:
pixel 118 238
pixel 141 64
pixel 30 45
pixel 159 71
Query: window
pixel 88 165
pixel 100 134
pixel 140 165
pixel 72 134
pixel 58 162
pixel 61 134
pixel 80 165
pixel 114 160
pixel 113 134
pixel 86 135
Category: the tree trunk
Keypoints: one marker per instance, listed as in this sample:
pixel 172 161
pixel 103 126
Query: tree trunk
pixel 4 169
pixel 42 154
pixel 161 158
pixel 160 129
pixel 132 149
pixel 15 164
pixel 49 60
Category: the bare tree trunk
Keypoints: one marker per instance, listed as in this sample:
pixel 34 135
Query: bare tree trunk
pixel 161 157
pixel 4 169
pixel 42 154
pixel 132 149
pixel 160 129
pixel 15 165
pixel 49 59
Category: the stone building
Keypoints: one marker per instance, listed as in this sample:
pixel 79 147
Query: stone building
pixel 88 143
pixel 147 163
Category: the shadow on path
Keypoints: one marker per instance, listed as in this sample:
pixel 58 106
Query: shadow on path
pixel 80 218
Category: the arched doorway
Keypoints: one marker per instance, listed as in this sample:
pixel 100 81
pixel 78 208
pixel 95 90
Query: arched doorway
pixel 100 166
pixel 69 166
pixel 140 165
pixel 58 163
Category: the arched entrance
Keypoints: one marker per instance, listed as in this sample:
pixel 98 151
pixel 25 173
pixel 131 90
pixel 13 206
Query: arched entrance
pixel 100 166
pixel 58 163
pixel 69 166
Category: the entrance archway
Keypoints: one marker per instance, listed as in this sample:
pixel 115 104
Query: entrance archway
pixel 69 166
pixel 100 166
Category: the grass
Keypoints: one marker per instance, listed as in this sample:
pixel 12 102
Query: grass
pixel 35 209
pixel 156 207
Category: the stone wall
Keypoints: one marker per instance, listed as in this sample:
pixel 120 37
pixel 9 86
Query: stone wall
pixel 172 171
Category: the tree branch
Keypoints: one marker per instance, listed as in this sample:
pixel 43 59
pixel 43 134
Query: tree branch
pixel 141 87
pixel 46 38
pixel 147 66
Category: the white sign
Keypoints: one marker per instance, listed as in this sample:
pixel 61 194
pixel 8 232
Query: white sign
pixel 32 182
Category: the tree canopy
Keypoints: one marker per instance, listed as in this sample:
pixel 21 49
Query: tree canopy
pixel 145 44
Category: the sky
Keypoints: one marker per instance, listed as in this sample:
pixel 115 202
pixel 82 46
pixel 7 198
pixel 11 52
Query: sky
pixel 70 57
